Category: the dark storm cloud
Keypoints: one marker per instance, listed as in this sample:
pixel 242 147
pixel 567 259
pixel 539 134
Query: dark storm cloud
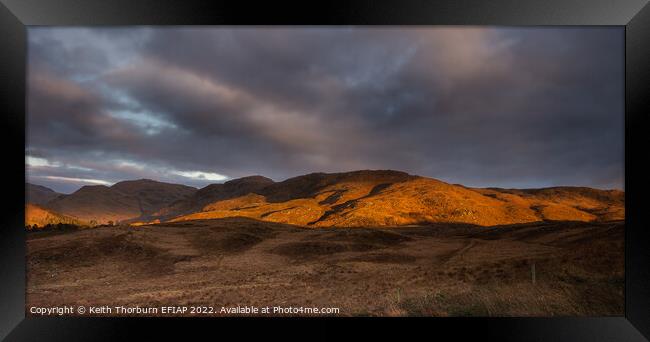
pixel 478 106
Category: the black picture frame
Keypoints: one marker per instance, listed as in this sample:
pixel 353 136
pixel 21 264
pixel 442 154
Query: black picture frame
pixel 634 15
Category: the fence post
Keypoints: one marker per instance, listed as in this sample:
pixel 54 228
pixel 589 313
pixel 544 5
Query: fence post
pixel 532 273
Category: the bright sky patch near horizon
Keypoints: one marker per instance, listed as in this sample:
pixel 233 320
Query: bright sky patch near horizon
pixel 480 106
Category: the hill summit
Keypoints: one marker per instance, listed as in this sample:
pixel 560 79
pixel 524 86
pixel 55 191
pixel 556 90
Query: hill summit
pixel 365 198
pixel 388 198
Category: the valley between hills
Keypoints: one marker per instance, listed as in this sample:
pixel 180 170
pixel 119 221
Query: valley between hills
pixel 371 243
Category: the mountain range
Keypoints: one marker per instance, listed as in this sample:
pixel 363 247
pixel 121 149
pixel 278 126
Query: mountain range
pixel 38 194
pixel 100 204
pixel 351 199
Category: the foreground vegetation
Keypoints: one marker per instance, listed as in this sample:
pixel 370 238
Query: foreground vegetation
pixel 435 270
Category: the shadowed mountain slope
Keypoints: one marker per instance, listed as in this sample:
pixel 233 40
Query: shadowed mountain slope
pixel 154 195
pixel 38 194
pixel 122 201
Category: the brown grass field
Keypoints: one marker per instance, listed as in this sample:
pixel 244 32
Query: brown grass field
pixel 434 270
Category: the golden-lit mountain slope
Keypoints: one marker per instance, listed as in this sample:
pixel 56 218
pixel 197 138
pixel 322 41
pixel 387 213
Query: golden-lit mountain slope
pixel 36 215
pixel 350 199
pixel 378 198
pixel 566 203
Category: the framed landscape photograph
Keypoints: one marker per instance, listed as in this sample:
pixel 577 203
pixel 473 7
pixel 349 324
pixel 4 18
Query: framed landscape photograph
pixel 469 168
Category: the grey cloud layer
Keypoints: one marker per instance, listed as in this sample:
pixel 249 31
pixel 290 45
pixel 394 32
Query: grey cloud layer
pixel 478 106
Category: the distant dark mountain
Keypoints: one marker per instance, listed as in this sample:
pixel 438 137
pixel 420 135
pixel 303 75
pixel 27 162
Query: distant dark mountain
pixel 154 195
pixel 122 201
pixel 38 194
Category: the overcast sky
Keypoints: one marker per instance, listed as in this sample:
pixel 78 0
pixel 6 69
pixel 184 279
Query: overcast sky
pixel 506 107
